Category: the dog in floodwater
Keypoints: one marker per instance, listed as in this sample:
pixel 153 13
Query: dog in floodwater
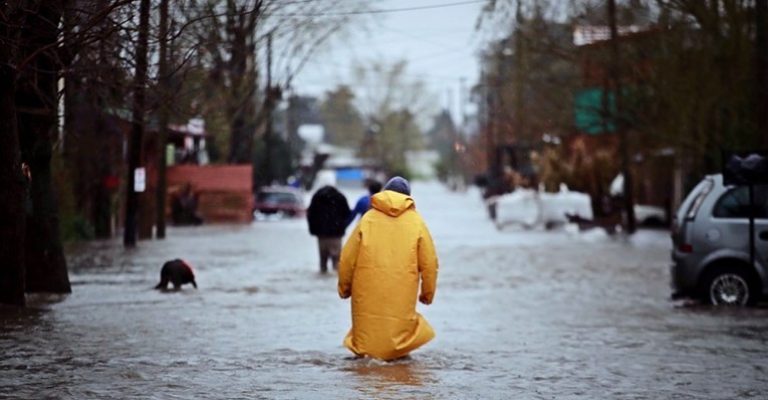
pixel 177 272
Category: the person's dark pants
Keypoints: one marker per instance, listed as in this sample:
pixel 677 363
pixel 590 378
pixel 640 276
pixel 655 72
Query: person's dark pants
pixel 330 247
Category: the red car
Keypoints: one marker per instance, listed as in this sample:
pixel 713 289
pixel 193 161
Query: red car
pixel 286 201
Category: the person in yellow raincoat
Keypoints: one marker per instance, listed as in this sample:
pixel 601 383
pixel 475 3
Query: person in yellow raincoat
pixel 382 262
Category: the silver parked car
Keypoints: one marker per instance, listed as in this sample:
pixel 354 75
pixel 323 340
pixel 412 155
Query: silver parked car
pixel 711 253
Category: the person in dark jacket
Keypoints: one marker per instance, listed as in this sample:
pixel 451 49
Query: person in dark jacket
pixel 327 215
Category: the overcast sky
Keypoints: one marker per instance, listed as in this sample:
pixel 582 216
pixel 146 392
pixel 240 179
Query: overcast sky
pixel 439 44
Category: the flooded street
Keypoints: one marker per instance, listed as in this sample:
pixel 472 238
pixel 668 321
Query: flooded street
pixel 518 314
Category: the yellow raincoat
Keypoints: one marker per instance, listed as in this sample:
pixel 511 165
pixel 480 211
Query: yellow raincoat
pixel 380 267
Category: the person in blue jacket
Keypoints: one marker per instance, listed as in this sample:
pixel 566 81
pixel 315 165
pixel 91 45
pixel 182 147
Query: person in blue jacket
pixel 364 202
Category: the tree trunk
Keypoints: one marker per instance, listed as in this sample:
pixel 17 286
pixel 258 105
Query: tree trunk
pixel 137 128
pixel 241 68
pixel 241 139
pixel 761 61
pixel 12 181
pixel 102 164
pixel 37 101
pixel 519 118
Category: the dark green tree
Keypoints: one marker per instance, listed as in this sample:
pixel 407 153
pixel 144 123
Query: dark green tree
pixel 342 121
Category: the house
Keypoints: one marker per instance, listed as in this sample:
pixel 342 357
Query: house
pixel 594 147
pixel 224 192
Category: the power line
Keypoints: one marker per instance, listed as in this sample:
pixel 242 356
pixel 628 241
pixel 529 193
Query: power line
pixel 420 38
pixel 387 10
pixel 369 68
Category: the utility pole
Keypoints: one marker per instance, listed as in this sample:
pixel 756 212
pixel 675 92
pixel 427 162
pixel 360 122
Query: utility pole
pixel 619 120
pixel 163 117
pixel 269 103
pixel 489 86
pixel 463 101
pixel 137 127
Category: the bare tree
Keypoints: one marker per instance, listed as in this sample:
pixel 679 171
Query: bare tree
pixel 95 53
pixel 230 41
pixel 30 65
pixel 392 101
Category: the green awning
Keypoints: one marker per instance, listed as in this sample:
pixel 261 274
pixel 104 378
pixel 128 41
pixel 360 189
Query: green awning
pixel 589 111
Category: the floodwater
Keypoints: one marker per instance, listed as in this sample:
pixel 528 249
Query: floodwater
pixel 518 314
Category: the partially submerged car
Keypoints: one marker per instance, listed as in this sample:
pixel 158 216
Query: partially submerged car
pixel 711 245
pixel 279 200
pixel 645 214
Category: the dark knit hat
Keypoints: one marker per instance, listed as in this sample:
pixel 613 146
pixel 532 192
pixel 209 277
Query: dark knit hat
pixel 398 184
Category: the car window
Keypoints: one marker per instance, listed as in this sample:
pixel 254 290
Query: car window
pixel 735 203
pixel 277 197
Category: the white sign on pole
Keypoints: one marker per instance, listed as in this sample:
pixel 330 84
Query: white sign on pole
pixel 139 180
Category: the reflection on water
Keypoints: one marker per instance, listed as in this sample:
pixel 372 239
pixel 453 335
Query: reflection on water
pixel 14 318
pixel 381 379
pixel 517 314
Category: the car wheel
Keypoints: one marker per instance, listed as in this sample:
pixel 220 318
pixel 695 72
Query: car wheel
pixel 730 287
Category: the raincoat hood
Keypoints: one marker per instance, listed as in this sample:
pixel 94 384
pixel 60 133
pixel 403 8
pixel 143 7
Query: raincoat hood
pixel 392 203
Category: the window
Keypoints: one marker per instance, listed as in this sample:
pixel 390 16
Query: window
pixel 735 203
pixel 277 198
